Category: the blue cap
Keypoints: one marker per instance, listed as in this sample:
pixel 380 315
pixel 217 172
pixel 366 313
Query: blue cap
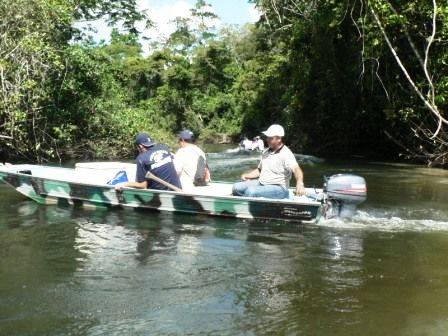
pixel 143 139
pixel 186 134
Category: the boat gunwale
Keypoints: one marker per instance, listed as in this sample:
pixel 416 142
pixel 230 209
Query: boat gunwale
pixel 285 201
pixel 220 198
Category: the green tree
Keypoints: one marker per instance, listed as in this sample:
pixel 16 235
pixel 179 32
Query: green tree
pixel 407 41
pixel 371 63
pixel 204 20
pixel 31 66
pixel 38 114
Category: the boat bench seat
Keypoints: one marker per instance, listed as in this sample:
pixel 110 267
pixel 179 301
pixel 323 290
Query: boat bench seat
pixel 213 189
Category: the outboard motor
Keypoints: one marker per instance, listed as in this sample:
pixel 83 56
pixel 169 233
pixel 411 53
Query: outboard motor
pixel 344 193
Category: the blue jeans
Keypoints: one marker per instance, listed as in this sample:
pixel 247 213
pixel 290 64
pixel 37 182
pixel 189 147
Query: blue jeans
pixel 253 188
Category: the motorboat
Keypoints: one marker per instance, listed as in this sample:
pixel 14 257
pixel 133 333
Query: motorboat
pixel 92 184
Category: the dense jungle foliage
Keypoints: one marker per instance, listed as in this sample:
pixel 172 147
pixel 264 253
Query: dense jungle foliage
pixel 357 77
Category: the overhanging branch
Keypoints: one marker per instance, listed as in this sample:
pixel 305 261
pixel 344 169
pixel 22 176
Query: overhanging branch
pixel 430 104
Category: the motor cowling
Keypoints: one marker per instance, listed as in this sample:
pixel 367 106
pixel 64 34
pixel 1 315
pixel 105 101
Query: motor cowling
pixel 344 193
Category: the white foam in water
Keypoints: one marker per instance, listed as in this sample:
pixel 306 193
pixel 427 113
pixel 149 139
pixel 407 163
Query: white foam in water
pixel 381 221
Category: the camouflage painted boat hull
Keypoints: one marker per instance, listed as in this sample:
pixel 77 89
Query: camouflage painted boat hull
pixel 65 186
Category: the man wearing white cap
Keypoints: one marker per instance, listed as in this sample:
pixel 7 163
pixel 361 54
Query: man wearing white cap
pixel 271 178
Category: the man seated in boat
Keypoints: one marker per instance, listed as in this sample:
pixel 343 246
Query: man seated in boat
pixel 271 178
pixel 190 162
pixel 156 159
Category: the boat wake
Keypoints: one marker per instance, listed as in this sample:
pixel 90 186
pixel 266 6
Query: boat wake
pixel 390 221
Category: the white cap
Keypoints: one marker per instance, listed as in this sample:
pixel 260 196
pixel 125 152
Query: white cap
pixel 275 130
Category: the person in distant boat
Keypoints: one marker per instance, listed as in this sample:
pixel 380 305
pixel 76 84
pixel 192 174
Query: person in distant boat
pixel 271 178
pixel 154 158
pixel 246 144
pixel 258 144
pixel 190 162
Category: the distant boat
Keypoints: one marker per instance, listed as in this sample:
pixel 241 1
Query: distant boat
pixel 300 157
pixel 91 184
pixel 242 150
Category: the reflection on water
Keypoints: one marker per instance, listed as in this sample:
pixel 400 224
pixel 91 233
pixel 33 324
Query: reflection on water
pixel 98 272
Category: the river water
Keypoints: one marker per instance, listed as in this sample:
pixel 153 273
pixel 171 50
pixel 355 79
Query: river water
pixel 67 271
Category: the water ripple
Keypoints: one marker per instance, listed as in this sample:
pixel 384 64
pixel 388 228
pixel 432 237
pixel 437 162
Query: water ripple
pixel 388 221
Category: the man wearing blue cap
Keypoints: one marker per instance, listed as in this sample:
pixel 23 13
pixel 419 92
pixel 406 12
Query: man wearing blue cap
pixel 190 162
pixel 154 158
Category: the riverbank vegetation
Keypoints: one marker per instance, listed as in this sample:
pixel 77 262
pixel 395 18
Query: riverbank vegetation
pixel 345 78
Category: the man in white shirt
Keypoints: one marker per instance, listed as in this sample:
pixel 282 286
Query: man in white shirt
pixel 246 144
pixel 190 162
pixel 271 178
pixel 258 144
